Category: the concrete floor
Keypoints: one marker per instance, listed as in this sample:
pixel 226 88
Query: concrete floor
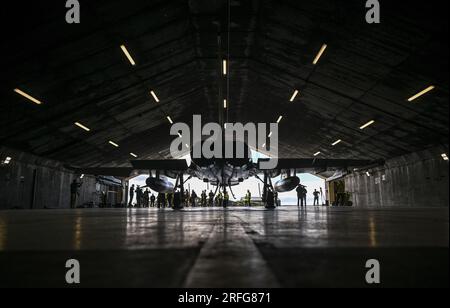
pixel 239 247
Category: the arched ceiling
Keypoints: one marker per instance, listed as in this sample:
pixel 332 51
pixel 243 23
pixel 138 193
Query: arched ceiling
pixel 80 74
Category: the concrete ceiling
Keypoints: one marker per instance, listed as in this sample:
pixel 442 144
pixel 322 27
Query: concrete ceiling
pixel 80 74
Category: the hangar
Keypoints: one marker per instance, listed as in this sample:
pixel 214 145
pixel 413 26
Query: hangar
pixel 82 101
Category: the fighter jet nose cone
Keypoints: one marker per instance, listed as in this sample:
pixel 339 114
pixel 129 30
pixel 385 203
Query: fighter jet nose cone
pixel 287 184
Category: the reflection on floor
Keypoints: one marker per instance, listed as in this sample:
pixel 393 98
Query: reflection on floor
pixel 239 247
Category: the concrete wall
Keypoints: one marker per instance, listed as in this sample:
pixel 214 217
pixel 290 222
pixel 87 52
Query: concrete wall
pixel 52 183
pixel 414 180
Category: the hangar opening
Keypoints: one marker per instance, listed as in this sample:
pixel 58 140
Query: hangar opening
pixel 356 111
pixel 239 193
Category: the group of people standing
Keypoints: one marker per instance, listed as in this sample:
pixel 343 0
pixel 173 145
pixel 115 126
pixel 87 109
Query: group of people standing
pixel 210 199
pixel 302 193
pixel 144 198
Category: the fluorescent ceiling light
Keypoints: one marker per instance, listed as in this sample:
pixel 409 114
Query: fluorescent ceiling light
pixel 27 96
pixel 82 126
pixel 134 155
pixel 7 160
pixel 224 103
pixel 154 96
pixel 367 124
pixel 368 173
pixel 317 154
pixel 127 54
pixel 270 135
pixel 319 54
pixel 337 142
pixel 224 67
pixel 81 176
pixel 423 92
pixel 444 157
pixel 180 135
pixel 114 144
pixel 279 119
pixel 264 145
pixel 187 145
pixel 294 95
pixel 170 120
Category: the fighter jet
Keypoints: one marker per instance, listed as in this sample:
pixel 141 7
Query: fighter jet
pixel 225 173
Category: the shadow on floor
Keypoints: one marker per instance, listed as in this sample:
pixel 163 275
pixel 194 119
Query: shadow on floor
pixel 345 267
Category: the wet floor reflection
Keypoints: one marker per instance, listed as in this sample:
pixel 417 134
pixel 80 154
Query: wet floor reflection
pixel 3 234
pixel 372 231
pixel 92 229
pixel 227 247
pixel 77 233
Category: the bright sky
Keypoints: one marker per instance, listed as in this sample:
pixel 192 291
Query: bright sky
pixel 254 185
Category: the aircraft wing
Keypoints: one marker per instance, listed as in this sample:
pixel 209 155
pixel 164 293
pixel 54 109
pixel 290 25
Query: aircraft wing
pixel 162 164
pixel 166 165
pixel 117 172
pixel 315 164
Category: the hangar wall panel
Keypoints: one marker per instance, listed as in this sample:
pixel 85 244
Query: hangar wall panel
pixel 414 180
pixel 52 183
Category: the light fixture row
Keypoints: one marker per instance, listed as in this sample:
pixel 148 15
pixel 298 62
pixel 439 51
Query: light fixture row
pixel 152 92
pixel 315 62
pixel 371 122
pixel 79 124
pixel 114 144
pixel 225 72
pixel 333 144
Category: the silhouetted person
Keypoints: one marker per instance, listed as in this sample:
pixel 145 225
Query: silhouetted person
pixel 169 197
pixel 316 197
pixel 146 198
pixel 187 195
pixel 193 198
pixel 159 200
pixel 216 200
pixel 163 200
pixel 74 193
pixel 226 198
pixel 220 199
pixel 138 197
pixel 152 200
pixel 177 200
pixel 203 198
pixel 104 198
pixel 299 191
pixel 340 193
pixel 301 195
pixel 305 192
pixel 248 198
pixel 321 196
pixel 130 203
pixel 211 198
